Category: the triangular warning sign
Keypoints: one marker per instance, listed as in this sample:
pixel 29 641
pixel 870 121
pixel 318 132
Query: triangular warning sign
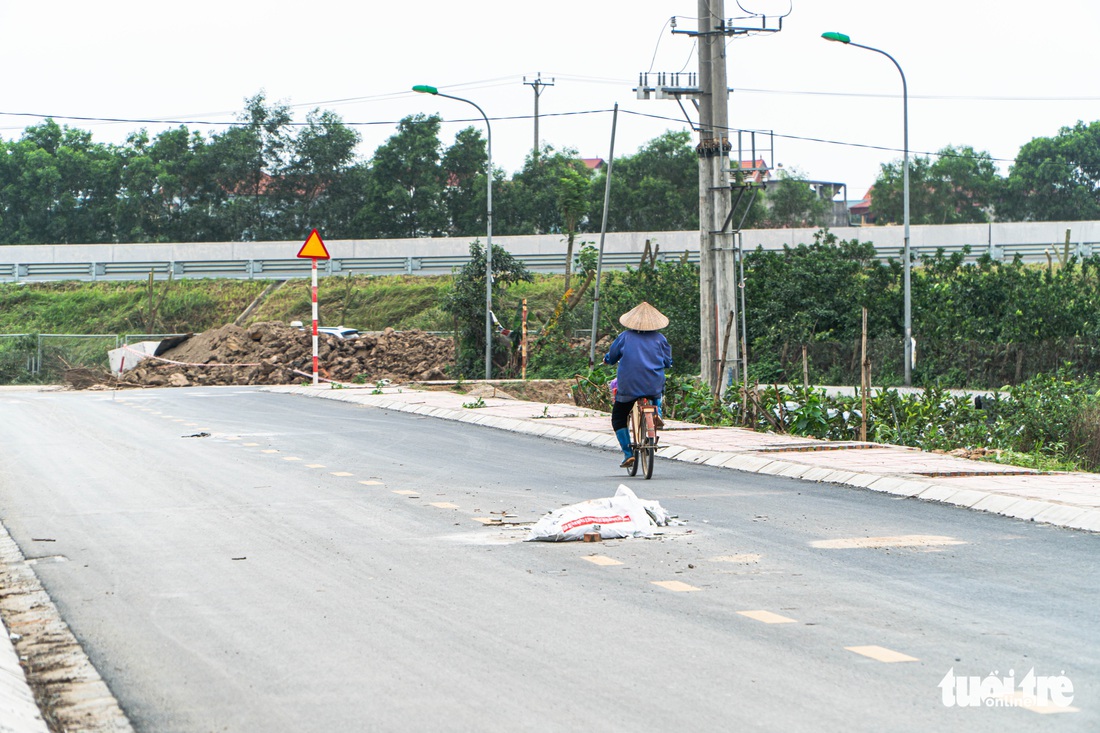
pixel 314 247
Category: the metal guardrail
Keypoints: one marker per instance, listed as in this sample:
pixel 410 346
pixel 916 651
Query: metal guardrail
pixel 277 269
pixel 286 268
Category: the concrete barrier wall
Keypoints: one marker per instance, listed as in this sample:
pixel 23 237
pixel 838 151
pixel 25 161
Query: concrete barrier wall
pixel 545 253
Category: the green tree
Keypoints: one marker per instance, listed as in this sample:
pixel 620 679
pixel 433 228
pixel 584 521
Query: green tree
pixel 249 163
pixel 1055 178
pixel 404 195
pixel 168 188
pixel 959 187
pixel 654 190
pixel 530 201
pixel 572 201
pixel 466 304
pixel 57 186
pixel 791 202
pixel 322 155
pixel 464 196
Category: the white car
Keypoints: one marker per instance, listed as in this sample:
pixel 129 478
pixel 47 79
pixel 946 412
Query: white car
pixel 340 332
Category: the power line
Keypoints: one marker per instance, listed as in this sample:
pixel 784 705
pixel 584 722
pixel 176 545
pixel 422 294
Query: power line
pixel 814 139
pixel 510 118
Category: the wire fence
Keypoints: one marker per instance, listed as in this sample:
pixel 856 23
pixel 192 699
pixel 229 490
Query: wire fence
pixel 44 358
pixel 947 362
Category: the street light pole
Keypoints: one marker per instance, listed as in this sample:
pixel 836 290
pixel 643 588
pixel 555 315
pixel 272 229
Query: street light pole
pixel 842 38
pixel 425 89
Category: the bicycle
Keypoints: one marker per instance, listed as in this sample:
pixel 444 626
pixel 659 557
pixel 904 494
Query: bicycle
pixel 643 432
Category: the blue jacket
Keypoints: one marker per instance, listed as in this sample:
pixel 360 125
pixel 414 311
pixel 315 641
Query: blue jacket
pixel 642 357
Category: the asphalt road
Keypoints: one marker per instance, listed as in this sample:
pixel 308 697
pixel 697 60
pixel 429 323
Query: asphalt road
pixel 273 577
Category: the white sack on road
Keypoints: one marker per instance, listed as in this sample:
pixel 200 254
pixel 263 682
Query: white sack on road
pixel 622 515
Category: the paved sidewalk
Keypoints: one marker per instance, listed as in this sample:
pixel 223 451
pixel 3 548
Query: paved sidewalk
pixel 1069 500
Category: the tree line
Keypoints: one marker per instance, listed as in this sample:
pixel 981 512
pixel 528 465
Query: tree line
pixel 267 178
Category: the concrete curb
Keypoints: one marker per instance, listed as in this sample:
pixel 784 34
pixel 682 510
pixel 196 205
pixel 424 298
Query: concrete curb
pixel 1045 512
pixel 18 711
pixel 79 698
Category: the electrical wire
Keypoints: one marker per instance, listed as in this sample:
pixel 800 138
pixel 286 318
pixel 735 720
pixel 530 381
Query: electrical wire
pixel 660 35
pixel 691 54
pixel 510 118
pixel 823 141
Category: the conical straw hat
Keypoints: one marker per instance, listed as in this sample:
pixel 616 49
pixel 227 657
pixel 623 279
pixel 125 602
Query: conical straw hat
pixel 644 317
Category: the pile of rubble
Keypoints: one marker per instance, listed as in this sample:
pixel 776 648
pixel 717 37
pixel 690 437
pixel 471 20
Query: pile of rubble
pixel 275 353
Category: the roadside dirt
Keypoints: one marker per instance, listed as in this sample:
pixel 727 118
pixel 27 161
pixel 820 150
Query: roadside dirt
pixel 548 391
pixel 275 353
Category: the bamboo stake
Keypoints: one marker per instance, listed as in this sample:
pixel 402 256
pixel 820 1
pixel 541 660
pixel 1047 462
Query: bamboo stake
pixel 865 382
pixel 722 361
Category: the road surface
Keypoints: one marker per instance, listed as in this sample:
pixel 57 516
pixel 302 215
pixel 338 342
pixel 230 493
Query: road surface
pixel 313 565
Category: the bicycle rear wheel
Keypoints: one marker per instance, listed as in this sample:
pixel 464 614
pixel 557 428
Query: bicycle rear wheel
pixel 646 457
pixel 632 424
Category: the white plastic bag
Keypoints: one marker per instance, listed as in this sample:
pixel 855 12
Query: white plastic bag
pixel 622 515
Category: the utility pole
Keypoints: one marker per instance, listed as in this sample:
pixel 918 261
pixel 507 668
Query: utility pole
pixel 718 260
pixel 717 274
pixel 537 86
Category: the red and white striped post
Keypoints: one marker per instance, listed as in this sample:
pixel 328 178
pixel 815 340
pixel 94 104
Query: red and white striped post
pixel 313 294
pixel 314 249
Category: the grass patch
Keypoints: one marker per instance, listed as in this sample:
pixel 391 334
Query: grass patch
pixel 368 303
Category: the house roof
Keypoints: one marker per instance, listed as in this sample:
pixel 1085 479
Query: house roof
pixel 758 170
pixel 593 164
pixel 864 206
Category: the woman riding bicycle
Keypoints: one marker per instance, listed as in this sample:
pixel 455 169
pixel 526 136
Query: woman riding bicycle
pixel 643 355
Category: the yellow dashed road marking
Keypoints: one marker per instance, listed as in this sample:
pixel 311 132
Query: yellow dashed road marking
pixel 907 540
pixel 341 473
pixel 484 520
pixel 881 654
pixel 371 483
pixel 406 492
pixel 250 445
pixel 291 458
pixel 675 585
pixel 269 450
pixel 602 560
pixel 191 424
pixel 232 437
pixel 767 617
pixel 747 557
pixel 315 465
pixel 443 505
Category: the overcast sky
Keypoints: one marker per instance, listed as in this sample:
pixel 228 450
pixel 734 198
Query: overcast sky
pixel 992 74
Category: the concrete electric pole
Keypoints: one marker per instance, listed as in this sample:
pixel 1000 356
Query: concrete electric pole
pixel 718 307
pixel 537 86
pixel 716 269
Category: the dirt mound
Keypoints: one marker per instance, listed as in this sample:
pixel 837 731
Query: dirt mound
pixel 275 353
pixel 85 378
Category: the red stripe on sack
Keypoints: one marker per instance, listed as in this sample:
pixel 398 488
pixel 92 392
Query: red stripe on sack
pixel 581 521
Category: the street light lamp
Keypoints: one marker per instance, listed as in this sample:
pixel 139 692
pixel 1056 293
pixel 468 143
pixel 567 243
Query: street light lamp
pixel 842 38
pixel 425 89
